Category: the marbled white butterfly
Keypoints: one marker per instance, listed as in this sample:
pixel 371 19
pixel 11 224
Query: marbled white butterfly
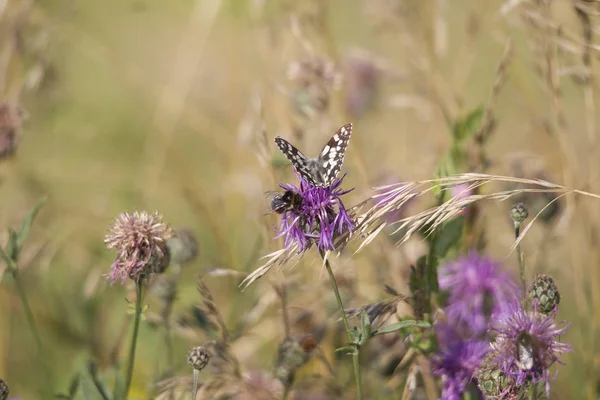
pixel 320 171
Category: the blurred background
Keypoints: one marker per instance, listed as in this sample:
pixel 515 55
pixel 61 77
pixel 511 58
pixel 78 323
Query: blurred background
pixel 123 105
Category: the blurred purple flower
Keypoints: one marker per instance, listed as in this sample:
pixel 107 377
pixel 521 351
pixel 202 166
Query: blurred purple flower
pixel 139 238
pixel 460 192
pixel 456 360
pixel 478 288
pixel 527 345
pixel 362 81
pixel 320 216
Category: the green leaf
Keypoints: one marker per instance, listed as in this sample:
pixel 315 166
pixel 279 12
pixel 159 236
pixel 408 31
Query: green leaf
pixel 28 222
pixel 401 325
pixel 88 387
pixel 465 129
pixel 11 247
pixel 119 385
pixel 448 236
pixel 345 348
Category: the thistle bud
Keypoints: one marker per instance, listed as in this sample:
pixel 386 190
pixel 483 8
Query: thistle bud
pixel 493 383
pixel 519 213
pixel 3 390
pixel 183 246
pixel 544 294
pixel 198 358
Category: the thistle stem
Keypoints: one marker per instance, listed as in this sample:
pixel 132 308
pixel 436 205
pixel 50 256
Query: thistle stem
pixel 521 263
pixel 136 328
pixel 356 352
pixel 12 266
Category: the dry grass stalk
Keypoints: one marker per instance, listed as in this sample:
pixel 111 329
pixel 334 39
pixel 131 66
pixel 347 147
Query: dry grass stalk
pixel 432 218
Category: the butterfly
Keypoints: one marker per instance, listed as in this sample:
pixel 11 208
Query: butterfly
pixel 322 170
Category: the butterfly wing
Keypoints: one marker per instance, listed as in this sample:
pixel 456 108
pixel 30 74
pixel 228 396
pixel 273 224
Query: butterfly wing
pixel 300 162
pixel 332 155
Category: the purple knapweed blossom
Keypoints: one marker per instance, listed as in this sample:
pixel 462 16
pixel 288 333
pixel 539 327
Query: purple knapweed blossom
pixel 478 288
pixel 320 216
pixel 527 344
pixel 140 240
pixel 456 360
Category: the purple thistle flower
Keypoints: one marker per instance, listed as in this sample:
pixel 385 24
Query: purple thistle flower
pixel 141 248
pixel 320 216
pixel 478 288
pixel 527 345
pixel 456 360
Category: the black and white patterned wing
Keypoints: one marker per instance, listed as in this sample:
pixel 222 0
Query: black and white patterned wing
pixel 332 155
pixel 300 162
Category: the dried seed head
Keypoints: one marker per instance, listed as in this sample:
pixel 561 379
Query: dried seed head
pixel 544 294
pixel 519 213
pixel 3 390
pixel 183 246
pixel 10 123
pixel 493 383
pixel 198 358
pixel 139 238
pixel 293 353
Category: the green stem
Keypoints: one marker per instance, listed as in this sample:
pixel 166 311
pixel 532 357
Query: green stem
pixel 521 264
pixel 286 392
pixel 533 393
pixel 136 328
pixel 32 326
pixel 195 391
pixel 356 352
pixel 12 266
pixel 356 364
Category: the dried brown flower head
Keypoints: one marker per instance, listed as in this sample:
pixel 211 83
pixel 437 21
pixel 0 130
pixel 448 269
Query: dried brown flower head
pixel 140 240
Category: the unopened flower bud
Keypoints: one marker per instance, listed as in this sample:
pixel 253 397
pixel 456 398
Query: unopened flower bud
pixel 183 246
pixel 519 213
pixel 3 390
pixel 544 294
pixel 198 358
pixel 493 383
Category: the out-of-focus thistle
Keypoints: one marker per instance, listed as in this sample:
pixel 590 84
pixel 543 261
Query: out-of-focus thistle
pixel 543 294
pixel 293 353
pixel 456 360
pixel 527 345
pixel 10 124
pixel 3 390
pixel 314 79
pixel 140 241
pixel 478 288
pixel 362 84
pixel 183 246
pixel 493 383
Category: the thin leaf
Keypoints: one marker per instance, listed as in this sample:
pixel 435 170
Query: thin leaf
pixel 468 126
pixel 448 236
pixel 88 387
pixel 401 325
pixel 28 222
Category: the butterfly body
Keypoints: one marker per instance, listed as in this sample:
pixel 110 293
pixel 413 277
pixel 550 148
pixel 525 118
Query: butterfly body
pixel 322 170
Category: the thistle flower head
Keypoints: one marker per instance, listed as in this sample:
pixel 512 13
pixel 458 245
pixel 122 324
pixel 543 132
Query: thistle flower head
pixel 478 288
pixel 456 360
pixel 139 238
pixel 527 345
pixel 319 217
